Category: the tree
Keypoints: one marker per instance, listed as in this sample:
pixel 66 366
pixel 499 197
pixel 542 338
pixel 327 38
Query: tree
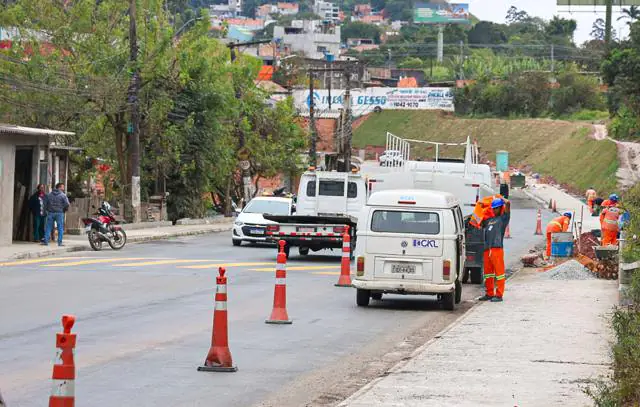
pixel 632 14
pixel 516 16
pixel 360 30
pixel 562 28
pixel 598 30
pixel 486 32
pixel 411 63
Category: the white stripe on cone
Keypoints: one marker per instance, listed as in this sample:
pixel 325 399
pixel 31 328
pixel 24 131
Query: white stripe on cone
pixel 222 289
pixel 345 254
pixel 63 388
pixel 281 281
pixel 281 267
pixel 221 305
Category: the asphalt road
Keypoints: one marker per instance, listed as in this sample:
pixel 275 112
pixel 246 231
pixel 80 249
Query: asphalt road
pixel 144 324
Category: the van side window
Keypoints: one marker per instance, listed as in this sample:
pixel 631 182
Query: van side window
pixel 332 188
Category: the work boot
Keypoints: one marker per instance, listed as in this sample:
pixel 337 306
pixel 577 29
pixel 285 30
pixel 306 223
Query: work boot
pixel 486 298
pixel 496 299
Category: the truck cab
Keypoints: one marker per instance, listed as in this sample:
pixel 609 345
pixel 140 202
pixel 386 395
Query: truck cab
pixel 410 242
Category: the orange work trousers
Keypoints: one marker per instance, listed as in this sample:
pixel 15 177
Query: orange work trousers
pixel 549 244
pixel 609 237
pixel 494 276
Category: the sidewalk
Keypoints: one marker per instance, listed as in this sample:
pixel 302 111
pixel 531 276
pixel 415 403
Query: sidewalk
pixel 543 193
pixel 538 348
pixel 75 243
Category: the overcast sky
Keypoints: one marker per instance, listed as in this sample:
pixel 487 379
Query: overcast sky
pixel 496 10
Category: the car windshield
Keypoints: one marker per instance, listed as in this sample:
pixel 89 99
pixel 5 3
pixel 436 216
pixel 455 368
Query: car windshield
pixel 266 206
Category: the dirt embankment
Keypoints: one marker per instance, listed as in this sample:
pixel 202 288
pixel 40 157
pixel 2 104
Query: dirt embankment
pixel 628 173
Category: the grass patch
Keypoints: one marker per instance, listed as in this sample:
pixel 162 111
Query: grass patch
pixel 586 115
pixel 560 149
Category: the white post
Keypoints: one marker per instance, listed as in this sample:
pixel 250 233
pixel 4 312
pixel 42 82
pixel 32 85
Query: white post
pixel 440 43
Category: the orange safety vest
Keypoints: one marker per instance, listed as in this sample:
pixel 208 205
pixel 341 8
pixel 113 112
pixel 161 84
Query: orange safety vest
pixel 609 218
pixel 479 212
pixel 559 224
pixel 606 203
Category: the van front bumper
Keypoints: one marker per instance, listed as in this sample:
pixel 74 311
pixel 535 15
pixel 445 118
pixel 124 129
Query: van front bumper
pixel 404 287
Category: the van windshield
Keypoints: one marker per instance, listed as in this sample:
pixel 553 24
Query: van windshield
pixel 423 223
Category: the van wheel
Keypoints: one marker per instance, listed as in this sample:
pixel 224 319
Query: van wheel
pixel 303 251
pixel 376 296
pixel 476 275
pixel 449 301
pixel 458 291
pixel 362 297
pixel 465 275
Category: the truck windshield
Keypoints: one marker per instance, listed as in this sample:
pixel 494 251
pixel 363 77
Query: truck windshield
pixel 423 223
pixel 270 207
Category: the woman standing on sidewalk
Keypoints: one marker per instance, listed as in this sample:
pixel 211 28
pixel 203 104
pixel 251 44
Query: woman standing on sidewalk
pixel 36 205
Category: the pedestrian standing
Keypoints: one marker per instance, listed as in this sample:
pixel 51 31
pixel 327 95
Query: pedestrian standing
pixel 494 227
pixel 559 224
pixel 36 205
pixel 56 204
pixel 590 195
pixel 609 222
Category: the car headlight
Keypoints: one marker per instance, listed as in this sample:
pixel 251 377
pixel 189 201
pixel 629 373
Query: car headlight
pixel 238 223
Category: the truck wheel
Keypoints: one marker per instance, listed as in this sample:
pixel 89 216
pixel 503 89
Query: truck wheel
pixel 458 291
pixel 476 275
pixel 376 296
pixel 362 297
pixel 303 251
pixel 449 301
pixel 465 275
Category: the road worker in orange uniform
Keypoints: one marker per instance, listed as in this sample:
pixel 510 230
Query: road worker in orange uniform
pixel 482 209
pixel 559 224
pixel 591 195
pixel 609 222
pixel 494 227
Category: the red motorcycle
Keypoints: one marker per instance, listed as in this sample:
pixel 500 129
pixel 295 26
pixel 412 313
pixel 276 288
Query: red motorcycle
pixel 104 228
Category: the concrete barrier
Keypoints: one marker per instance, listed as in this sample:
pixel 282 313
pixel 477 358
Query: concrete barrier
pixel 203 221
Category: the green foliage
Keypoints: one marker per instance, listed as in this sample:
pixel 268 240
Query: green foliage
pixel 624 125
pixel 576 92
pixel 360 30
pixel 411 63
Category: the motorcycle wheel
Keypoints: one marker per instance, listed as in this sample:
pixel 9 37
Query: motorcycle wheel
pixel 118 239
pixel 94 241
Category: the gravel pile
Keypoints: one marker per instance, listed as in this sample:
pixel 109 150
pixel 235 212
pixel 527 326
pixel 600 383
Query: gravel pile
pixel 570 270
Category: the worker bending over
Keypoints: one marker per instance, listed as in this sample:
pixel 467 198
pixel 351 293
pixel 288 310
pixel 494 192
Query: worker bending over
pixel 494 225
pixel 609 222
pixel 559 224
pixel 591 196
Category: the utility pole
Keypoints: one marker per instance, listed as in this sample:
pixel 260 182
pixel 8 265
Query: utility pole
pixel 245 164
pixel 607 24
pixel 553 59
pixel 134 136
pixel 346 123
pixel 440 43
pixel 312 124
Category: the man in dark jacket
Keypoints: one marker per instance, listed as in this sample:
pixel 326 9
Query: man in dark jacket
pixel 494 227
pixel 56 204
pixel 36 205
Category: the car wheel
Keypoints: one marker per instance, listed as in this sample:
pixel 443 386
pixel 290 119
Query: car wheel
pixel 236 242
pixel 449 301
pixel 362 297
pixel 303 251
pixel 376 296
pixel 476 275
pixel 458 292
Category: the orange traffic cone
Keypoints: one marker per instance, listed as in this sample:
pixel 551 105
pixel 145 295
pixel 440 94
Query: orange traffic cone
pixel 345 266
pixel 64 368
pixel 507 233
pixel 538 223
pixel 219 356
pixel 279 313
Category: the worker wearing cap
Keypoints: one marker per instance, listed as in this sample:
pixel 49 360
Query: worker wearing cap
pixel 494 227
pixel 559 224
pixel 591 195
pixel 609 222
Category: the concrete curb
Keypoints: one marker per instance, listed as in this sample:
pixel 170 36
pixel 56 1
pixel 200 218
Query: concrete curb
pixel 135 239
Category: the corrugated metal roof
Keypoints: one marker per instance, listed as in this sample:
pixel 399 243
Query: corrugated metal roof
pixel 31 131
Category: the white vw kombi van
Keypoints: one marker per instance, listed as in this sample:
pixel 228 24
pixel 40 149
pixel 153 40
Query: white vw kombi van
pixel 410 242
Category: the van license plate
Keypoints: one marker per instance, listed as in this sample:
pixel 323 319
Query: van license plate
pixel 403 268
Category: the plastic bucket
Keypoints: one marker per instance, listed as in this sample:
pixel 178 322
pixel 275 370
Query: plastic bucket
pixel 502 160
pixel 562 237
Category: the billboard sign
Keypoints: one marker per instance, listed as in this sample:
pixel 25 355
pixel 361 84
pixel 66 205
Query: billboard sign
pixel 371 99
pixel 445 13
pixel 597 2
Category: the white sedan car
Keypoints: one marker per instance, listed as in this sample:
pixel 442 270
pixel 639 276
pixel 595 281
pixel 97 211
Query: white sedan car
pixel 250 226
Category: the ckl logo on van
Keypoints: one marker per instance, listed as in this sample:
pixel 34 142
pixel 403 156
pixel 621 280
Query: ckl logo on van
pixel 424 243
